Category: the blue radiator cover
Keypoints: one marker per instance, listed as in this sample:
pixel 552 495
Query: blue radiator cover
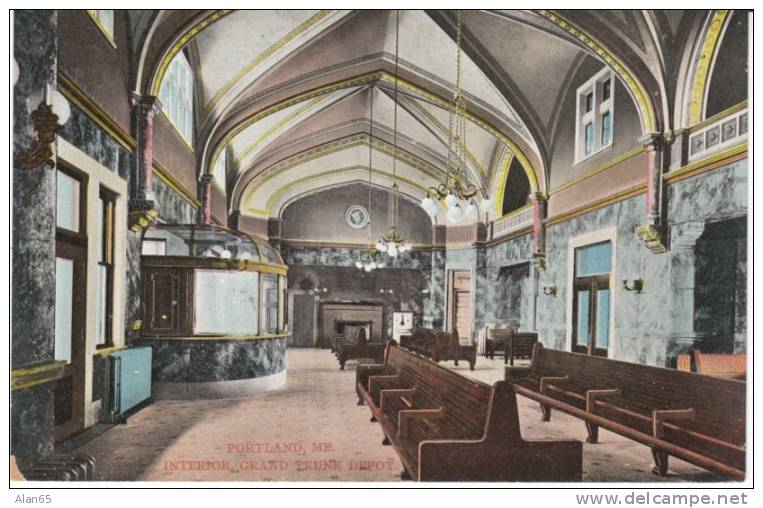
pixel 131 378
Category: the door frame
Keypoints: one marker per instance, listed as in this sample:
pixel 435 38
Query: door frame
pixel 450 292
pixel 598 236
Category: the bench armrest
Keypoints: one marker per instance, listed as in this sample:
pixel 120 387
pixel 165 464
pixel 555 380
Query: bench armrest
pixel 394 393
pixel 407 415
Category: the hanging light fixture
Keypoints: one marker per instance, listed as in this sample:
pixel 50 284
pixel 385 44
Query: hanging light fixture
pixel 394 243
pixel 457 193
pixel 368 260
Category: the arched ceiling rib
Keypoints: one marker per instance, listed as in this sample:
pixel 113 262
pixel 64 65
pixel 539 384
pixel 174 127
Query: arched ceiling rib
pixel 275 85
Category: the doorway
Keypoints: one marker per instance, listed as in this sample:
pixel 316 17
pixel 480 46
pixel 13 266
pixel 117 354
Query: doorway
pixel 460 302
pixel 71 305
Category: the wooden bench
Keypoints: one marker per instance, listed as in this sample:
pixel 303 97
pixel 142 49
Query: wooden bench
pixel 510 343
pixel 359 349
pixel 730 366
pixel 439 346
pixel 446 427
pixel 697 418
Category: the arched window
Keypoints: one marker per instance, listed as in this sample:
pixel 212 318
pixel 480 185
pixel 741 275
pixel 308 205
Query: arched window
pixel 517 191
pixel 176 96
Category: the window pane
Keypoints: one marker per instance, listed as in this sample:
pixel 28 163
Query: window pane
pixel 67 202
pixel 588 102
pixel 593 260
pixel 226 303
pixel 583 317
pixel 606 128
pixel 270 293
pixel 589 138
pixel 602 319
pixel 605 90
pixel 64 303
pixel 101 304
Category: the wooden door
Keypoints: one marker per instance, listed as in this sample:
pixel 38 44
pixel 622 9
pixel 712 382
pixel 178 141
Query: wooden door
pixel 460 303
pixel 71 302
pixel 303 314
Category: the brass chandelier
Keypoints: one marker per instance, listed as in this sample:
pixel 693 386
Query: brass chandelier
pixel 394 243
pixel 456 188
pixel 369 260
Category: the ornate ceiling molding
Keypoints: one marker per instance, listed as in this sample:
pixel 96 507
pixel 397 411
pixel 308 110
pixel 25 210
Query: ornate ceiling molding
pixel 635 87
pixel 704 63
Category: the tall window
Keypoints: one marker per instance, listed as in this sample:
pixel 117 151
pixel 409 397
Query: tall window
pixel 591 303
pixel 594 115
pixel 104 291
pixel 104 20
pixel 176 96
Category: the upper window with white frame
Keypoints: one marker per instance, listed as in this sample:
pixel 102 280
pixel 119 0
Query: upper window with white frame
pixel 595 114
pixel 219 171
pixel 176 96
pixel 104 20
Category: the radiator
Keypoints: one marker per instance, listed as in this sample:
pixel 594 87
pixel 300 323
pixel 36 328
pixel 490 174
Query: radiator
pixel 129 382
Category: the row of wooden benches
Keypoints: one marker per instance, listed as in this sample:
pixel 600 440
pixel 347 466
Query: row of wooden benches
pixel 440 346
pixel 447 427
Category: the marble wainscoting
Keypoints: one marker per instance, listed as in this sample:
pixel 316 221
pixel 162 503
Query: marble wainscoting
pixel 85 134
pixel 502 262
pixel 223 368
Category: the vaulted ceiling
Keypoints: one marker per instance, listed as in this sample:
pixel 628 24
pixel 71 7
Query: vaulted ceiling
pixel 292 93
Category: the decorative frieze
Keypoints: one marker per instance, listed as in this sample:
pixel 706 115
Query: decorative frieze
pixel 718 135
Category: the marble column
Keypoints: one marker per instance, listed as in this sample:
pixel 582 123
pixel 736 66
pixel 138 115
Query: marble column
pixel 34 245
pixel 652 231
pixel 683 239
pixel 143 207
pixel 435 316
pixel 274 232
pixel 205 192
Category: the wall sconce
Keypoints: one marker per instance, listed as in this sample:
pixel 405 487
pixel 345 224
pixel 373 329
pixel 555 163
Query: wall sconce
pixel 425 291
pixel 51 114
pixel 636 285
pixel 390 291
pixel 550 290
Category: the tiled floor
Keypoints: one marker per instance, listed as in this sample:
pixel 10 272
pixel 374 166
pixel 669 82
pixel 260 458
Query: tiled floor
pixel 312 430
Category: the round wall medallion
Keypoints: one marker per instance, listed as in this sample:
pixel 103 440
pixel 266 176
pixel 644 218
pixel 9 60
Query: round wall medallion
pixel 356 217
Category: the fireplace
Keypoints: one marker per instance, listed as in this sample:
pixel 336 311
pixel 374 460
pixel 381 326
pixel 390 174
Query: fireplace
pixel 346 318
pixel 350 329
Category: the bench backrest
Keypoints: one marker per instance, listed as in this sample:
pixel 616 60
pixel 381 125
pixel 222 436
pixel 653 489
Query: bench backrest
pixel 465 400
pixel 720 364
pixel 719 403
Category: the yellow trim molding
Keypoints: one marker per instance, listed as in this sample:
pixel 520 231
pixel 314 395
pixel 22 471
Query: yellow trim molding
pixel 262 56
pixel 601 168
pixel 713 161
pixel 601 203
pixel 704 63
pixel 500 188
pixel 94 112
pixel 214 264
pixel 107 351
pixel 367 78
pixel 166 176
pixel 156 83
pixel 219 337
pixel 282 190
pixel 26 377
pixel 333 147
pixel 719 116
pixel 514 213
pixel 637 90
pixel 104 31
